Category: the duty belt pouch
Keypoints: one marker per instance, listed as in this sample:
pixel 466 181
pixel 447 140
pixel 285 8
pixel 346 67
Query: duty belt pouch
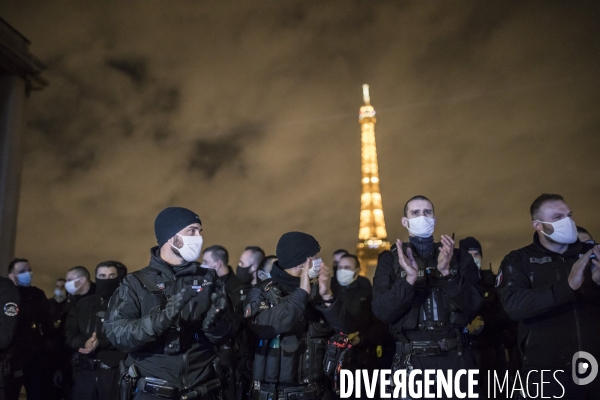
pixel 260 360
pixel 313 360
pixel 425 348
pixel 273 361
pixel 290 354
pixel 81 362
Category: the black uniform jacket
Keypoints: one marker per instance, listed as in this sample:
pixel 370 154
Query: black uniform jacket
pixel 299 322
pixel 433 300
pixel 34 327
pixel 134 315
pixel 83 320
pixel 554 320
pixel 236 290
pixel 357 297
pixel 72 299
pixel 9 301
pixel 293 314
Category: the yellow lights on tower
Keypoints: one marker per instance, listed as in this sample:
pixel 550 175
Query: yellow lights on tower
pixel 372 234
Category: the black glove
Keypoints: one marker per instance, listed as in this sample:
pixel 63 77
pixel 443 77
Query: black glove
pixel 219 303
pixel 178 301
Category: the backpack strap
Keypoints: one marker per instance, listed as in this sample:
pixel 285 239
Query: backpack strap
pixel 159 296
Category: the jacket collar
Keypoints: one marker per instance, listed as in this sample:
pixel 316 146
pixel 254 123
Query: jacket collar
pixel 572 249
pixel 289 282
pixel 167 270
pixel 435 254
pixel 225 278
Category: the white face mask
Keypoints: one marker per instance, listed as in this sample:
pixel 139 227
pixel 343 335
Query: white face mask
pixel 345 276
pixel 192 246
pixel 565 231
pixel 477 262
pixel 314 270
pixel 421 226
pixel 70 286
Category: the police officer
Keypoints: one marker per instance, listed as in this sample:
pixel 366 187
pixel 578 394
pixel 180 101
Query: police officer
pixel 293 323
pixel 58 303
pixel 96 359
pixel 170 315
pixel 491 332
pixel 9 301
pixel 552 288
pixel 247 267
pixel 29 351
pixel 264 269
pixel 428 293
pixel 60 354
pixel 78 285
pixel 216 257
pixel 337 255
pixel 355 292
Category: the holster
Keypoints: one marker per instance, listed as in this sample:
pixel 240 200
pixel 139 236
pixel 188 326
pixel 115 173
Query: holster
pixel 225 377
pixel 128 381
pixel 202 390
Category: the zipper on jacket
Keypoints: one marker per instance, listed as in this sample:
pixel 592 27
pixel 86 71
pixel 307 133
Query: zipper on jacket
pixel 184 370
pixel 89 323
pixel 576 312
pixel 184 357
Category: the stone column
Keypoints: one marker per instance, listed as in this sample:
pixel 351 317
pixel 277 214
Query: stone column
pixel 12 102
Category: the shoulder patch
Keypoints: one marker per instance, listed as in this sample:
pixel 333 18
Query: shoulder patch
pixel 250 311
pixel 498 279
pixel 11 309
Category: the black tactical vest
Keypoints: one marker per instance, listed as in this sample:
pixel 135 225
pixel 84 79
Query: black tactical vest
pixel 431 309
pixel 292 358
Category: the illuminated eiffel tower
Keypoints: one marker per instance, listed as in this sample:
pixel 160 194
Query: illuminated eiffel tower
pixel 372 235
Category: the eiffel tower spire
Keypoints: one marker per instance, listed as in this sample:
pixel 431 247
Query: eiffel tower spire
pixel 372 235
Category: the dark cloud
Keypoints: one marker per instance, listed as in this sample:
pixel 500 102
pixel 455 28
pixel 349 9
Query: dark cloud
pixel 163 100
pixel 135 68
pixel 209 156
pixel 248 114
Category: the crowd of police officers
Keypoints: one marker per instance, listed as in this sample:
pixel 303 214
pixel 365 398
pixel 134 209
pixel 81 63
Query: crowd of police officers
pixel 282 327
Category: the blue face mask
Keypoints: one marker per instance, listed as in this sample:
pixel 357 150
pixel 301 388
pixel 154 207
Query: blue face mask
pixel 24 278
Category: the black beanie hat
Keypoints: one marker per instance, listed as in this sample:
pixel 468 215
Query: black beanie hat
pixel 170 221
pixel 469 244
pixel 294 248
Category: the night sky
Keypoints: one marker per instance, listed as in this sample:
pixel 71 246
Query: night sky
pixel 246 112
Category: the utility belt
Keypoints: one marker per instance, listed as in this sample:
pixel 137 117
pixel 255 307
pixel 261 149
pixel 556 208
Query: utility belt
pixel 131 381
pixel 427 347
pixel 82 363
pixel 275 391
pixel 161 388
